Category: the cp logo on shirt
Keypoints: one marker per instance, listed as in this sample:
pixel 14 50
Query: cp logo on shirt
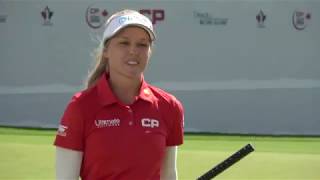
pixel 146 122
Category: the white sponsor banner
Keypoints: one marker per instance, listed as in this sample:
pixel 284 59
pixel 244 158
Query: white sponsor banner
pixel 51 42
pixel 212 46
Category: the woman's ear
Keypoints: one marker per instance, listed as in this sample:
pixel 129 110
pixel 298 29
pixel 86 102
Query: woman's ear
pixel 105 53
pixel 105 50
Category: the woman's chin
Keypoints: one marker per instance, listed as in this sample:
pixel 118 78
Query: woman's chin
pixel 134 74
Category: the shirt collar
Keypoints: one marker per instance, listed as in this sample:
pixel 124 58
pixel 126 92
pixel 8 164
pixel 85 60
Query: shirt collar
pixel 105 93
pixel 107 97
pixel 145 92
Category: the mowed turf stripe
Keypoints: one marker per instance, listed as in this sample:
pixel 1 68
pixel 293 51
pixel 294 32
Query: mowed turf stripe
pixel 26 161
pixel 277 145
pixel 29 154
pixel 26 139
pixel 257 165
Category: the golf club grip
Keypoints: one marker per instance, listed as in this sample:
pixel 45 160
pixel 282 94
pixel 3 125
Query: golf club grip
pixel 227 162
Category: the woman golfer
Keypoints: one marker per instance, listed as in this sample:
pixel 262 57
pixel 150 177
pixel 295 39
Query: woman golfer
pixel 120 127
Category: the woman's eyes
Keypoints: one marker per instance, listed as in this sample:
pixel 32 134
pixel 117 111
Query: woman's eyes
pixel 138 44
pixel 124 43
pixel 143 44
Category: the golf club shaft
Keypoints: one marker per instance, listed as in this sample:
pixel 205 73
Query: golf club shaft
pixel 227 163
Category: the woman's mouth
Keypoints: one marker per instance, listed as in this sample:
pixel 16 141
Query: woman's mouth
pixel 132 62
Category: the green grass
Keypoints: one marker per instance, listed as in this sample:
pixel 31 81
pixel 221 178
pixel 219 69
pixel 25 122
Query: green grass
pixel 29 154
pixel 274 158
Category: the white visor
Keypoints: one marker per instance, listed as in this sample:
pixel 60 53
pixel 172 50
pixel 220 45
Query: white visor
pixel 115 24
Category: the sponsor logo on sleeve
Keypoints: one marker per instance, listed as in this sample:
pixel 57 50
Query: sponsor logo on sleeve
pixel 62 130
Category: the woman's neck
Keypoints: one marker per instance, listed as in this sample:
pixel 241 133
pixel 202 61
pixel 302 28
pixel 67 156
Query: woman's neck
pixel 125 89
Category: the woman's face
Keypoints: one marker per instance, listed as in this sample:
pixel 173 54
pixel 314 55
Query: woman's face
pixel 128 52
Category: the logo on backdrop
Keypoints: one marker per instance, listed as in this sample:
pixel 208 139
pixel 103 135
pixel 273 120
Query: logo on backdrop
pixel 207 19
pixel 95 16
pixel 47 14
pixel 300 19
pixel 3 18
pixel 155 15
pixel 261 17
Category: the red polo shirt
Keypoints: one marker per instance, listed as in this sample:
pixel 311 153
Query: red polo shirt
pixel 121 141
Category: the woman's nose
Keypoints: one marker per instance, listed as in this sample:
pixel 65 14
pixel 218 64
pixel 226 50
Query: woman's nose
pixel 133 49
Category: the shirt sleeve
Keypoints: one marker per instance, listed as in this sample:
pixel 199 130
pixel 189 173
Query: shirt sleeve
pixel 70 132
pixel 176 119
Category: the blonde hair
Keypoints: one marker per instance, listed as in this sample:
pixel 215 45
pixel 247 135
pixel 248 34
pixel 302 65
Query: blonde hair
pixel 101 64
pixel 99 68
